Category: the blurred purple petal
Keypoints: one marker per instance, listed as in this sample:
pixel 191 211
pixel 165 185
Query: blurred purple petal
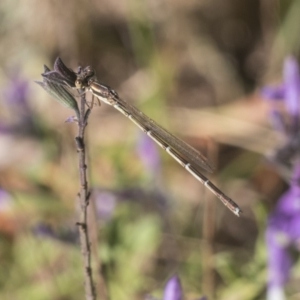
pixel 43 230
pixel 286 118
pixel 278 121
pixel 292 85
pixel 105 204
pixel 283 232
pixel 16 94
pixel 289 202
pixel 148 153
pixel 5 201
pixel 173 290
pixel 279 260
pixel 273 92
pixel 71 119
pixel 6 129
pixel 16 100
pixel 295 182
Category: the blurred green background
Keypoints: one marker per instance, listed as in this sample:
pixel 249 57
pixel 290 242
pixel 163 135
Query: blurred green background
pixel 193 66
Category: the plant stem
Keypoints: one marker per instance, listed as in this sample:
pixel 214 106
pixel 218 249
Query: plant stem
pixel 84 196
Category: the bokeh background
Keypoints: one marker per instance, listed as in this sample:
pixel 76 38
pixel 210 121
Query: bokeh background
pixel 196 67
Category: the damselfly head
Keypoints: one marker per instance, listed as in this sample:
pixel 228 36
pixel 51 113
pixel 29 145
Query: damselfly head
pixel 88 72
pixel 83 77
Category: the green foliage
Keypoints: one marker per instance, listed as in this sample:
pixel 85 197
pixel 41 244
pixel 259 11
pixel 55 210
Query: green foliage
pixel 129 257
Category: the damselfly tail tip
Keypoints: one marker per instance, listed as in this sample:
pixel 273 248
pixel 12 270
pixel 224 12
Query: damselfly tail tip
pixel 237 211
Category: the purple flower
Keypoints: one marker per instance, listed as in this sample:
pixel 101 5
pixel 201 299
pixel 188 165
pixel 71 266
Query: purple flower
pixel 283 233
pixel 273 93
pixel 43 230
pixel 287 94
pixel 16 100
pixel 6 201
pixel 285 112
pixel 173 290
pixel 17 92
pixel 106 202
pixel 149 155
pixel 292 86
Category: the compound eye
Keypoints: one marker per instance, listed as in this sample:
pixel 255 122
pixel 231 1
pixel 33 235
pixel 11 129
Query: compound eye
pixel 89 71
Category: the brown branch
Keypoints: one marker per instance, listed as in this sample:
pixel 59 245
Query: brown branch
pixel 101 288
pixel 84 196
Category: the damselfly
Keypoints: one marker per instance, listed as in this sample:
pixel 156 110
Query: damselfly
pixel 185 155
